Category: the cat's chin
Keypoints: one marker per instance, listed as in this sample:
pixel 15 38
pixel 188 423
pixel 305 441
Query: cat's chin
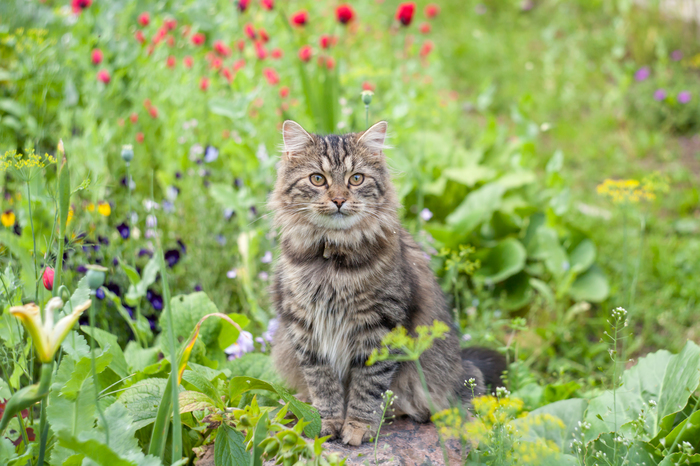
pixel 336 221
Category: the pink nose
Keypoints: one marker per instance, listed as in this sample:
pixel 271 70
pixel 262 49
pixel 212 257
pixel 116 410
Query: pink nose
pixel 339 201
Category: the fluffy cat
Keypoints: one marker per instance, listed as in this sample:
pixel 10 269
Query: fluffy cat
pixel 348 273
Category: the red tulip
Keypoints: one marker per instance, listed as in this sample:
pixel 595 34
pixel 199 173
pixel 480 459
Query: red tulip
pixel 204 83
pixel 432 10
pixel 344 13
pixel 276 54
pixel 305 53
pixel 47 278
pixel 222 49
pixel 424 28
pixel 198 39
pixel 404 13
pixel 300 18
pixel 134 117
pixel 260 51
pixel 139 138
pixel 187 61
pixel 103 75
pixel 271 76
pixel 426 48
pixel 144 19
pixel 243 5
pixel 170 62
pixel 96 57
pixel 170 24
pixel 284 92
pixel 140 37
pixel 79 5
pixel 267 4
pixel 250 31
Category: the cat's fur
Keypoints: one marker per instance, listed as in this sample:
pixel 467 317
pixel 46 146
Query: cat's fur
pixel 348 275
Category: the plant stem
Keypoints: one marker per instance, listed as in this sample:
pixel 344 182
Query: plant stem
pixel 44 384
pixel 94 371
pixel 31 222
pixel 445 456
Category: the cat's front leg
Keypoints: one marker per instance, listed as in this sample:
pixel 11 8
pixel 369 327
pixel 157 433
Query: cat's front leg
pixel 367 385
pixel 327 396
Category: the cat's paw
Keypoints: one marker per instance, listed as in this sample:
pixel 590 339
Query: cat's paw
pixel 355 432
pixel 330 427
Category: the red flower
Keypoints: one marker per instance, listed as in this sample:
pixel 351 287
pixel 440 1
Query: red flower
pixel 330 63
pixel 139 138
pixel 140 37
pixel 96 57
pixel 276 54
pixel 238 64
pixel 153 112
pixel 404 14
pixel 103 75
pixel 228 74
pixel 425 28
pixel 198 39
pixel 222 49
pixel 284 92
pixel 159 35
pixel 47 278
pixel 326 41
pixel 243 5
pixel 305 53
pixel 271 76
pixel 250 31
pixel 170 24
pixel 344 13
pixel 204 83
pixel 187 61
pixel 432 10
pixel 31 436
pixel 134 117
pixel 260 51
pixel 241 45
pixel 367 86
pixel 170 62
pixel 300 18
pixel 426 48
pixel 79 5
pixel 264 36
pixel 147 103
pixel 216 63
pixel 267 4
pixel 171 41
pixel 144 19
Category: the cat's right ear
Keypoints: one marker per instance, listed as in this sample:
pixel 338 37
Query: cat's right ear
pixel 295 139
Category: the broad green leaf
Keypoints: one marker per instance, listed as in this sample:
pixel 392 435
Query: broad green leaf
pixel 635 452
pixel 583 256
pixel 229 449
pixel 15 246
pixel 519 293
pixel 194 401
pixel 131 273
pixel 256 365
pixel 138 358
pixel 591 286
pixel 148 277
pixel 76 346
pixel 82 370
pixel 240 385
pixel 502 261
pixel 469 176
pixel 77 414
pixel 259 435
pixel 142 400
pixel 676 458
pixel 204 386
pixel 555 422
pixel 476 208
pixel 109 343
pixel 517 179
pixel 229 334
pixel 7 450
pixel 79 296
pixel 187 311
pixel 686 431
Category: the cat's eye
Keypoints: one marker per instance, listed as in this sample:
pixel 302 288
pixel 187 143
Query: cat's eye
pixel 317 179
pixel 357 179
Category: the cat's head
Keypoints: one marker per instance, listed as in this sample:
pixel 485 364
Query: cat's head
pixel 334 182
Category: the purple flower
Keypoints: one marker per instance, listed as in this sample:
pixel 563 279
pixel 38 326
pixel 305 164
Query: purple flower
pixel 172 257
pixel 103 240
pixel 243 345
pixel 182 246
pixel 426 214
pixel 676 55
pixel 198 287
pixel 178 175
pixel 211 154
pixel 228 213
pixel 168 207
pixel 221 239
pixel 124 230
pixel 261 341
pixel 683 97
pixel 145 252
pixel 155 299
pixel 660 94
pixel 263 276
pixel 267 258
pixel 81 269
pixel 232 273
pixel 151 221
pixel 642 73
pixel 115 262
pixel 100 293
pixel 271 329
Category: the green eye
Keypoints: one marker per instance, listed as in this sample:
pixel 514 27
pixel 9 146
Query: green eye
pixel 317 179
pixel 357 179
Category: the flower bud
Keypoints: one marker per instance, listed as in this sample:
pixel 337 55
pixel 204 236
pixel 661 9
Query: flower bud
pixel 127 153
pixel 367 97
pixel 47 278
pixel 95 276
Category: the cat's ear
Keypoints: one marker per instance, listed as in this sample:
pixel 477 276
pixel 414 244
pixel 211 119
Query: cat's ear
pixel 374 138
pixel 295 138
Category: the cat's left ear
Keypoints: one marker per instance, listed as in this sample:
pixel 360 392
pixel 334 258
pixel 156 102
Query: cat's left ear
pixel 295 138
pixel 374 138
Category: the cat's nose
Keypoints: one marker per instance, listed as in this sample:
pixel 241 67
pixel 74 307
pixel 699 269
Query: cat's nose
pixel 339 201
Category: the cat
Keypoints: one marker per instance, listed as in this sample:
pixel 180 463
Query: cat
pixel 348 273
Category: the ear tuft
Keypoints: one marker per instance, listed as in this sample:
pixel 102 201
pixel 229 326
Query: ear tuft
pixel 374 137
pixel 295 138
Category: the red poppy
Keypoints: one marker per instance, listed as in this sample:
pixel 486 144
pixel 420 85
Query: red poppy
pixel 238 64
pixel 241 45
pixel 79 5
pixel 367 86
pixel 188 61
pixel 243 5
pixel 170 24
pixel 250 31
pixel 198 39
pixel 144 19
pixel 305 53
pixel 276 54
pixel 424 28
pixel 171 41
pixel 139 137
pixel 344 13
pixel 134 117
pixel 47 278
pixel 426 48
pixel 170 62
pixel 147 103
pixel 159 35
pixel 267 4
pixel 103 75
pixel 204 83
pixel 432 10
pixel 404 13
pixel 264 36
pixel 216 63
pixel 222 49
pixel 284 92
pixel 31 436
pixel 228 74
pixel 96 57
pixel 330 63
pixel 326 41
pixel 260 50
pixel 271 76
pixel 140 37
pixel 300 18
pixel 153 112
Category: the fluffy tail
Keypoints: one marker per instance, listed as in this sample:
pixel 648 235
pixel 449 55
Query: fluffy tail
pixel 491 363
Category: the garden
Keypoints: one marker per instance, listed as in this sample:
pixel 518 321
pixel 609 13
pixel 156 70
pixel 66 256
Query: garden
pixel 545 154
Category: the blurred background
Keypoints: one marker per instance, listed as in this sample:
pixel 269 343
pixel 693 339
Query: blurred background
pixel 545 153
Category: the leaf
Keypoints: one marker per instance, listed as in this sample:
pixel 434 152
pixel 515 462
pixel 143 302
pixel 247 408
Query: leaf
pixel 148 277
pixel 635 453
pixel 138 358
pixel 7 450
pixel 79 296
pixel 555 422
pixel 76 414
pixel 240 385
pixel 131 273
pixel 229 449
pixel 12 242
pixel 502 261
pixel 256 365
pixel 675 459
pixel 142 400
pixel 562 391
pixel 233 109
pixel 686 431
pixel 591 286
pixel 517 179
pixel 477 207
pixel 469 176
pixel 81 371
pixel 76 346
pixel 583 256
pixel 194 401
pixel 258 436
pixel 204 386
pixel 109 343
pixel 229 334
pixel 187 311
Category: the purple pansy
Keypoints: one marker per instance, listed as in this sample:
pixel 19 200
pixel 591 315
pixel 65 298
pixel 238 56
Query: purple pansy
pixel 124 230
pixel 155 299
pixel 172 257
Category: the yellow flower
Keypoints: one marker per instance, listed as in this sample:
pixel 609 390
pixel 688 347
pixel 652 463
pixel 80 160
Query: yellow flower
pixel 104 208
pixel 91 207
pixel 8 218
pixel 71 214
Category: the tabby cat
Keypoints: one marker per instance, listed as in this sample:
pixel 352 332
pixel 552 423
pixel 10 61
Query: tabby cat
pixel 348 273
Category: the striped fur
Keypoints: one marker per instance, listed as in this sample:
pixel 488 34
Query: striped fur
pixel 346 276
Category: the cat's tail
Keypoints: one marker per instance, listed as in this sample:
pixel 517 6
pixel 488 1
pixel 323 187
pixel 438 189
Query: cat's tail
pixel 491 363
